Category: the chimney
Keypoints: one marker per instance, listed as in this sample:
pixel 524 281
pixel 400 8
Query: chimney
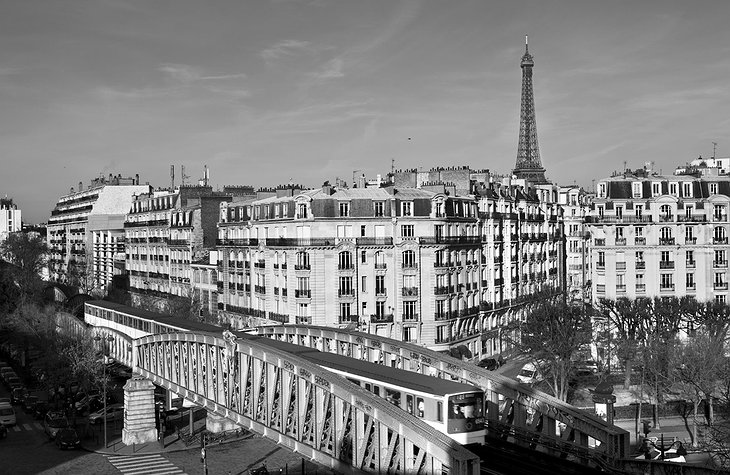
pixel 81 186
pixel 136 179
pixel 172 177
pixel 326 188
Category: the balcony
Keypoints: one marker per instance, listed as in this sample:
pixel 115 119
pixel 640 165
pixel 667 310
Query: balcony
pixel 449 240
pixel 666 218
pixel 345 292
pixel 260 264
pixel 599 242
pixel 380 292
pixel 719 240
pixel 599 266
pixel 640 264
pixel 381 318
pixel 278 317
pixel 409 291
pixel 639 241
pixel 283 292
pixel 690 240
pixel 667 288
pixel 302 267
pixel 346 267
pixel 666 264
pixel 303 294
pixel 719 263
pixel 410 317
pixel 719 218
pixel 620 288
pixel 259 289
pixel 621 266
pixel 349 319
pixel 381 266
pixel 621 241
pixel 410 265
pixel 720 286
pixel 641 287
pixel 690 264
pixel 692 219
pixel 666 241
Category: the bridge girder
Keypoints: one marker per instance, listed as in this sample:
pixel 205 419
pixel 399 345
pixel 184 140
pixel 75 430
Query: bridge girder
pixel 516 412
pixel 298 404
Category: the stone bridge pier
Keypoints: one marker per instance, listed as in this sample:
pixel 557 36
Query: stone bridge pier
pixel 139 411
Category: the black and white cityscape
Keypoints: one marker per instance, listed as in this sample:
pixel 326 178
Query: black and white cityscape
pixel 308 236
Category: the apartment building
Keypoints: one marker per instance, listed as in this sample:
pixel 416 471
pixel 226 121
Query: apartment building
pixel 657 236
pixel 165 231
pixel 10 218
pixel 575 204
pixel 86 229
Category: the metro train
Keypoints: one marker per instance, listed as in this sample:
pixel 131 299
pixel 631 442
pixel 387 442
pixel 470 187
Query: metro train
pixel 453 408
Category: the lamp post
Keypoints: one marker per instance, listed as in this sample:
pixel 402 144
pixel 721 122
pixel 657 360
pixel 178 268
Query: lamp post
pixel 105 360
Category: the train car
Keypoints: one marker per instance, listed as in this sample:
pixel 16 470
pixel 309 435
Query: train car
pixel 453 408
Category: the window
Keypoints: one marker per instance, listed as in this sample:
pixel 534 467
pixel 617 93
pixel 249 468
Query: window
pixel 407 208
pixel 619 232
pixel 673 187
pixel 666 281
pixel 713 188
pixel 687 189
pixel 689 233
pixel 619 212
pixel 665 234
pixel 345 260
pixel 346 286
pixel 690 257
pixel 344 209
pixel 410 312
pixel 602 190
pixel 363 229
pixel 636 187
pixel 666 257
pixel 409 334
pixel 600 211
pixel 656 188
pixel 406 230
pixel 620 283
pixel 380 285
pixel 302 210
pixel 720 299
pixel 601 259
pixel 302 260
pixel 718 234
pixel 363 284
pixel 690 280
pixel 363 256
pixel 409 259
pixel 719 279
pixel 639 231
pixel 379 209
pixel 380 308
pixel 345 308
pixel 638 210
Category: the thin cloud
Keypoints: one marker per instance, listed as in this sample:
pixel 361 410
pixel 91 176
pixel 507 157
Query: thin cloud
pixel 285 48
pixel 332 70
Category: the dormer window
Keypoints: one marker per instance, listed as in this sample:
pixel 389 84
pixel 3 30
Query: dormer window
pixel 687 190
pixel 636 187
pixel 601 190
pixel 407 208
pixel 673 189
pixel 713 188
pixel 656 188
pixel 344 208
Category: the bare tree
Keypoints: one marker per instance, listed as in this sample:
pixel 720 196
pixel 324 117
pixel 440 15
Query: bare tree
pixel 29 253
pixel 629 318
pixel 552 333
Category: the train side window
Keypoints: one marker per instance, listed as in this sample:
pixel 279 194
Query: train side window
pixel 367 386
pixel 376 390
pixel 393 397
pixel 419 405
pixel 409 403
pixel 354 381
pixel 440 411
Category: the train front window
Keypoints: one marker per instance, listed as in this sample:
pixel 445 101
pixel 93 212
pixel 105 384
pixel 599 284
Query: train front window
pixel 466 406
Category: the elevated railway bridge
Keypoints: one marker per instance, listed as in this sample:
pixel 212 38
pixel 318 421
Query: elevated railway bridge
pixel 259 386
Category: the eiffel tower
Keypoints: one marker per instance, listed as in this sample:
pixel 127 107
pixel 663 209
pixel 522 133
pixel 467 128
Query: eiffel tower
pixel 528 164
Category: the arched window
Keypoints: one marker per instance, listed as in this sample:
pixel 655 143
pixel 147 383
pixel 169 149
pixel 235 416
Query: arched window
pixel 345 260
pixel 302 260
pixel 409 259
pixel 719 234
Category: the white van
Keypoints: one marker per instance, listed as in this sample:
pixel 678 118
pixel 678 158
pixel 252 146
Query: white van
pixel 7 414
pixel 529 374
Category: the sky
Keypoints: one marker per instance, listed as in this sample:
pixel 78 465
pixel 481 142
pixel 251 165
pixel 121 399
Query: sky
pixel 268 92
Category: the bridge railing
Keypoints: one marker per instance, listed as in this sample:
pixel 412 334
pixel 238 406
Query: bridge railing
pixel 509 403
pixel 298 404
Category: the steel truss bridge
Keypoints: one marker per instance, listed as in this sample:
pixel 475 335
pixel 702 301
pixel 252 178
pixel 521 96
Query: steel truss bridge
pixel 340 425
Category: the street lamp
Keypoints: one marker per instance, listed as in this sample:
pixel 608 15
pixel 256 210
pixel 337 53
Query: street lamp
pixel 105 361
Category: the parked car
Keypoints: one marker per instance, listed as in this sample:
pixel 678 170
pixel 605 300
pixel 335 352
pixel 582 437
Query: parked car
pixel 113 412
pixel 530 374
pixel 489 363
pixel 94 403
pixel 5 400
pixel 54 422
pixel 7 415
pixel 67 438
pixel 17 395
pixel 7 371
pixel 3 431
pixel 586 367
pixel 13 381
